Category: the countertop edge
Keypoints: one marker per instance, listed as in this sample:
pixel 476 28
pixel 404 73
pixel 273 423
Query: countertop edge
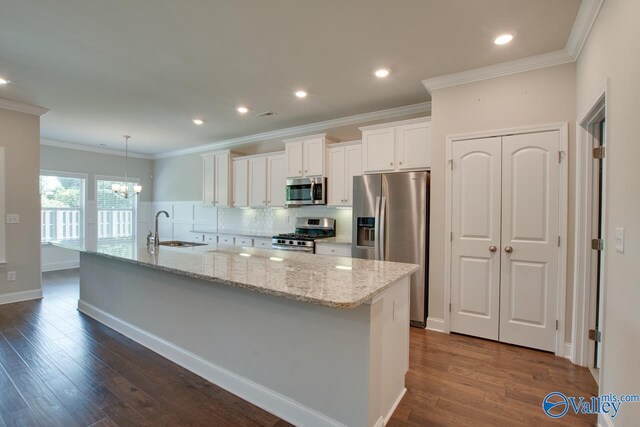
pixel 311 300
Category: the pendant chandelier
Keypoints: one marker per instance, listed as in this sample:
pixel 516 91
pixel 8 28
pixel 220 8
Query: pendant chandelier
pixel 123 190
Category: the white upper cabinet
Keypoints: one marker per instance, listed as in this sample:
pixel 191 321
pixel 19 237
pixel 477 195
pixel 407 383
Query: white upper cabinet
pixel 208 179
pixel 413 144
pixel 217 178
pixel 257 182
pixel 344 162
pixel 240 183
pixel 305 156
pixel 294 154
pixel 276 180
pixel 397 146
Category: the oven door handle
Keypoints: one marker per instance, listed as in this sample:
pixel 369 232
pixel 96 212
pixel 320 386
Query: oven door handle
pixel 292 248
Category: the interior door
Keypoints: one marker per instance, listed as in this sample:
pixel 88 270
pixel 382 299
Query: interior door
pixel 475 260
pixel 530 230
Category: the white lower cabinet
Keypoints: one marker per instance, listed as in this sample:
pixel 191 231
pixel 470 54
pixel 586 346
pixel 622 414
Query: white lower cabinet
pixel 243 241
pixel 262 243
pixel 226 240
pixel 335 250
pixel 210 239
pixel 198 238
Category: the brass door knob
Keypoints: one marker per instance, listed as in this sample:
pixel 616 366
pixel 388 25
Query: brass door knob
pixel 508 249
pixel 493 248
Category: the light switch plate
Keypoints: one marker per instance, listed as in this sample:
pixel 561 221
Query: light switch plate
pixel 11 276
pixel 13 219
pixel 620 240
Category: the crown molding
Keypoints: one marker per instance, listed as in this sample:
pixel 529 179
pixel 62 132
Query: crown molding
pixel 585 19
pixel 424 107
pixel 529 63
pixel 582 25
pixel 22 108
pixel 80 147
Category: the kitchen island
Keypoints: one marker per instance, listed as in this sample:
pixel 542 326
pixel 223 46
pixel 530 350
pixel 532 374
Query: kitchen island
pixel 316 340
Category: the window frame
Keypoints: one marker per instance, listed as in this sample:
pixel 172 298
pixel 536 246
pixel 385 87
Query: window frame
pixel 130 179
pixel 84 177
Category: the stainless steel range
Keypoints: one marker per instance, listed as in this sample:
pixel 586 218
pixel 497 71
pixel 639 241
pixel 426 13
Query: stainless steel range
pixel 308 230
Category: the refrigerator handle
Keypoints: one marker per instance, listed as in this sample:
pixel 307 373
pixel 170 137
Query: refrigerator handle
pixel 383 210
pixel 376 236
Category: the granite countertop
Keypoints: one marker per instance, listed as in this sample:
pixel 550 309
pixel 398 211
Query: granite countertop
pixel 318 279
pixel 334 241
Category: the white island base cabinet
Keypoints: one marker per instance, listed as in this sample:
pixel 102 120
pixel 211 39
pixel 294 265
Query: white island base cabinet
pixel 308 364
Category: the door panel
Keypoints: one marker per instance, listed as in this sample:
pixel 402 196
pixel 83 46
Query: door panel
pixel 257 183
pixel 353 167
pixel 475 270
pixel 379 150
pixel 414 146
pixel 336 178
pixel 240 183
pixel 208 179
pixel 314 157
pixel 222 179
pixel 530 226
pixel 294 159
pixel 277 181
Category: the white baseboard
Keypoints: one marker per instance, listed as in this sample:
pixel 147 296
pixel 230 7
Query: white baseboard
pixel 394 406
pixel 435 324
pixel 605 421
pixel 20 296
pixel 269 400
pixel 55 266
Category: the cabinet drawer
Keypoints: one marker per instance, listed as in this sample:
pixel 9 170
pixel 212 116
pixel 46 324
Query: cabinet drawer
pixel 335 250
pixel 243 241
pixel 210 239
pixel 226 240
pixel 198 238
pixel 262 243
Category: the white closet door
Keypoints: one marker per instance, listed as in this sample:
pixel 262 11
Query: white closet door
pixel 475 267
pixel 529 252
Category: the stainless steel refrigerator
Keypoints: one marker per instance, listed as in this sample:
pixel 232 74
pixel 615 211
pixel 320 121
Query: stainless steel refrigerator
pixel 391 223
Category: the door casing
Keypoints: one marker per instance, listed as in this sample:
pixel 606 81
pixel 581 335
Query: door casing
pixel 563 131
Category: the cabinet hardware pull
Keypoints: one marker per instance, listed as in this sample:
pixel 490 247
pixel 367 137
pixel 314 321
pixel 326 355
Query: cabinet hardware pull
pixel 391 164
pixel 493 248
pixel 508 249
pixel 400 162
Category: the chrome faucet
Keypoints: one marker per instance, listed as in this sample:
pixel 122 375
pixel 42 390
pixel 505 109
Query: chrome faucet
pixel 156 239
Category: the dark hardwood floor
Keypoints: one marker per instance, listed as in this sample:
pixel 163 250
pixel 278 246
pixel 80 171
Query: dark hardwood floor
pixel 59 367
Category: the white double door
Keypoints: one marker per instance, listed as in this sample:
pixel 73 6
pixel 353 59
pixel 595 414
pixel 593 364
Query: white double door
pixel 505 223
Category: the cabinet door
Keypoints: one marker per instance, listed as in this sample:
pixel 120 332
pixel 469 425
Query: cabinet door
pixel 353 167
pixel 336 179
pixel 378 150
pixel 313 157
pixel 294 159
pixel 413 143
pixel 222 178
pixel 240 183
pixel 208 179
pixel 257 182
pixel 277 180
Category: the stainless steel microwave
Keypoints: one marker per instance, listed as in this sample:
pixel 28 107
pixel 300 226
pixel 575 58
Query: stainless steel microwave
pixel 306 191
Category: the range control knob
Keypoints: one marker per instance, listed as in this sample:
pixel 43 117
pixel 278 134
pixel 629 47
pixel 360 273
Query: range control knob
pixel 291 242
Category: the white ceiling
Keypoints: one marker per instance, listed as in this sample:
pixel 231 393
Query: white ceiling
pixel 146 68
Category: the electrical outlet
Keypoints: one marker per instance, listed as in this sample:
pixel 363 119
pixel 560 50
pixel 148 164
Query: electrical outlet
pixel 13 219
pixel 11 276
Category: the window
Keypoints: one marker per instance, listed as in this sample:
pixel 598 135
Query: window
pixel 62 206
pixel 116 215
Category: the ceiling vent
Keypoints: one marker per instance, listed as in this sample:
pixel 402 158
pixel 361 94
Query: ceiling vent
pixel 267 114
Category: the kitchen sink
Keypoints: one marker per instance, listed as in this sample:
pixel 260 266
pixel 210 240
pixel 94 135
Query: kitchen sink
pixel 180 244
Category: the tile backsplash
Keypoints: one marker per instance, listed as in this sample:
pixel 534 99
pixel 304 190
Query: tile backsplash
pixel 186 216
pixel 281 220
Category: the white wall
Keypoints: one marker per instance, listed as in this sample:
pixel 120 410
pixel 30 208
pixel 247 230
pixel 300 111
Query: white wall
pixel 91 163
pixel 20 136
pixel 612 51
pixel 536 97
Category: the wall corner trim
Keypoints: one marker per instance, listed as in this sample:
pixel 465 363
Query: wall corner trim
pixel 5 104
pixel 582 25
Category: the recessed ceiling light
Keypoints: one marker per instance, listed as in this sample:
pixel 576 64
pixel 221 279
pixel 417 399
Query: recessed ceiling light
pixel 503 39
pixel 198 122
pixel 242 109
pixel 3 81
pixel 301 93
pixel 381 73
